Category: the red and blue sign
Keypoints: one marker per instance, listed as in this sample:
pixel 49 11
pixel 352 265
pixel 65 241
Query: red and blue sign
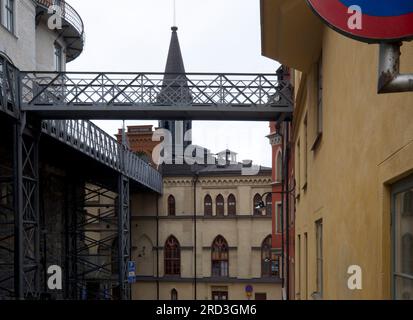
pixel 380 20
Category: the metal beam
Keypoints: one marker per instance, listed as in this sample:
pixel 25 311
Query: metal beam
pixel 26 190
pixel 124 237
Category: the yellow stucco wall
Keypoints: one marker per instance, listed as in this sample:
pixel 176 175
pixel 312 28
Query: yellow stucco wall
pixel 366 145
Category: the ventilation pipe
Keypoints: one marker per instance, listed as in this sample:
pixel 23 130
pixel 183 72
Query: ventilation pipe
pixel 390 79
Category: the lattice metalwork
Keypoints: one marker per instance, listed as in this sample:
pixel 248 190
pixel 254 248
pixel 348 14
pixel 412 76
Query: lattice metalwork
pixel 155 96
pixel 6 233
pixel 89 139
pixel 94 249
pixel 8 87
pixel 124 237
pixel 26 191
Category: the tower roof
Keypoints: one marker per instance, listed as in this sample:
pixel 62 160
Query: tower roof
pixel 175 62
pixel 175 85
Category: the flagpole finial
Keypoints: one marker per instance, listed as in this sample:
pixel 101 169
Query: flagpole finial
pixel 174 13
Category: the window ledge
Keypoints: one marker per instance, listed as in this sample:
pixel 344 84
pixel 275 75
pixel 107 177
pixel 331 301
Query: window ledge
pixel 317 141
pixel 11 33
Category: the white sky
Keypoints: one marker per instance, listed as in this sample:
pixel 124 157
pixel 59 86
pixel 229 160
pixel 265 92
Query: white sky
pixel 215 36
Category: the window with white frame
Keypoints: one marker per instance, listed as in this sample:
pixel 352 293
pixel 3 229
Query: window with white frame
pixel 58 55
pixel 9 15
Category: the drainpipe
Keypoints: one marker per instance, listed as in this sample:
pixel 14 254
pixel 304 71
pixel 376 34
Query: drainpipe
pixel 195 234
pixel 390 78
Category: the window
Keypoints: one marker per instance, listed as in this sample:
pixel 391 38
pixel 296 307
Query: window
pixel 260 296
pixel 306 265
pixel 58 57
pixel 220 257
pixel 268 205
pixel 305 154
pixel 221 294
pixel 172 257
pixel 319 113
pixel 220 208
pixel 408 203
pixel 171 206
pixel 299 267
pixel 403 239
pixel 232 205
pixel 9 15
pixel 208 205
pixel 319 256
pixel 174 295
pixel 269 261
pixel 298 166
pixel 257 201
pixel 279 217
pixel 279 167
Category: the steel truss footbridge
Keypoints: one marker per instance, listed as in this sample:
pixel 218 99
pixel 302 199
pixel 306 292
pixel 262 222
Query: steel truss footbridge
pixel 58 107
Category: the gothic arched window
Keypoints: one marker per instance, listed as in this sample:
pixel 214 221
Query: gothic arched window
pixel 268 205
pixel 269 262
pixel 174 294
pixel 172 257
pixel 279 167
pixel 220 208
pixel 256 203
pixel 232 205
pixel 171 206
pixel 220 257
pixel 208 205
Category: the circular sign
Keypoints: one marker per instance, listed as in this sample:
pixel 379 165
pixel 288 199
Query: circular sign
pixel 370 21
pixel 249 289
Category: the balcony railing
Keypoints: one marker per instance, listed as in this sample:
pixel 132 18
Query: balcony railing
pixel 67 13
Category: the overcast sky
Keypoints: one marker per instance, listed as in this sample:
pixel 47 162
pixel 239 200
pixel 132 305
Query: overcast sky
pixel 215 36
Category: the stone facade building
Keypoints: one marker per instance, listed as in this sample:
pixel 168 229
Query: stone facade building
pixel 204 238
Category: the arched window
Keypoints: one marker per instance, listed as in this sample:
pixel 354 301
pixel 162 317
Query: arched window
pixel 172 257
pixel 220 257
pixel 174 294
pixel 171 206
pixel 269 262
pixel 256 202
pixel 208 205
pixel 268 204
pixel 220 208
pixel 408 203
pixel 279 167
pixel 232 205
pixel 114 257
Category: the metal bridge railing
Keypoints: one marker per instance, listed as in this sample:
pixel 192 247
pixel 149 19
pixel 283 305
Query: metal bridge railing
pixel 73 91
pixel 89 139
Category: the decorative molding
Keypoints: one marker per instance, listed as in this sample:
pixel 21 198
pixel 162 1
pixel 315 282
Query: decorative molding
pixel 261 280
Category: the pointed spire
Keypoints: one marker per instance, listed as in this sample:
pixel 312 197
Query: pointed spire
pixel 175 83
pixel 175 62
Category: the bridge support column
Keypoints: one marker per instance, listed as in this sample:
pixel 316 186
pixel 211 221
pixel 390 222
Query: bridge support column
pixel 124 236
pixel 26 202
